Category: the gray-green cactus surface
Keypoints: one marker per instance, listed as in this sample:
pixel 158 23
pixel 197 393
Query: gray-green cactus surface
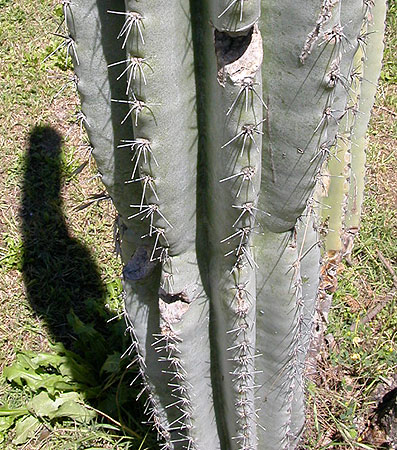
pixel 212 123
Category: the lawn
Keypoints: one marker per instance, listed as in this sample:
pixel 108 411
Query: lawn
pixel 65 362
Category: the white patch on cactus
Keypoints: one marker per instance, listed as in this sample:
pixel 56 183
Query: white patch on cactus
pixel 172 312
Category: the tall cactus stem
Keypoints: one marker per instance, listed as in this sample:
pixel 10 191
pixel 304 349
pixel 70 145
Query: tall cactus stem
pixel 234 118
pixel 284 312
pixel 182 301
pixel 372 63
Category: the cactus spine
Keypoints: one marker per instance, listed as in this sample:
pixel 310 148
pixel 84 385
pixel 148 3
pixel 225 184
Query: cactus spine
pixel 210 123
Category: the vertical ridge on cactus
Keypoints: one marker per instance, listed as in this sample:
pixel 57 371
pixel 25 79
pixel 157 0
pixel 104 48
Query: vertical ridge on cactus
pixel 211 123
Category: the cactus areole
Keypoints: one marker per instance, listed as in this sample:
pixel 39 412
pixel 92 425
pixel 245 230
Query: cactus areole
pixel 212 122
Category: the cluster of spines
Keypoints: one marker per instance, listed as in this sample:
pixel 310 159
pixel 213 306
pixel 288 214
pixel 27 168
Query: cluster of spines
pixel 151 407
pixel 245 178
pixel 244 149
pixel 241 350
pixel 326 145
pixel 134 69
pixel 333 36
pixel 301 332
pixel 242 354
pixel 167 343
pixel 248 209
pixel 293 369
pixel 233 4
pixel 69 44
pixel 350 84
pixel 352 108
pixel 327 149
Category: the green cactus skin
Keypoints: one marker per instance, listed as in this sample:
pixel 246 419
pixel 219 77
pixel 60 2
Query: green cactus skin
pixel 284 317
pixel 234 15
pixel 210 123
pixel 306 119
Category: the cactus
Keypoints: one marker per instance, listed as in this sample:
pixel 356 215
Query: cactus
pixel 211 123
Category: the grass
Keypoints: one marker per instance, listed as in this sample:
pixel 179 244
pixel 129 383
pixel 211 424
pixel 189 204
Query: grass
pixel 60 283
pixel 59 277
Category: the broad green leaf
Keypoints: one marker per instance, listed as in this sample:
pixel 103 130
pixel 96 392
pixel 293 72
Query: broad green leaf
pixel 57 347
pixel 16 373
pixel 42 405
pixel 7 422
pixel 112 363
pixel 79 327
pixel 69 355
pixel 13 412
pixel 25 360
pixel 25 429
pixel 71 406
pixel 68 404
pixel 48 360
pixel 75 411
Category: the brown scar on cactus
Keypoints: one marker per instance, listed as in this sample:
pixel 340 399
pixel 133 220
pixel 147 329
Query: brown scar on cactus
pixel 315 34
pixel 239 55
pixel 172 305
pixel 172 312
